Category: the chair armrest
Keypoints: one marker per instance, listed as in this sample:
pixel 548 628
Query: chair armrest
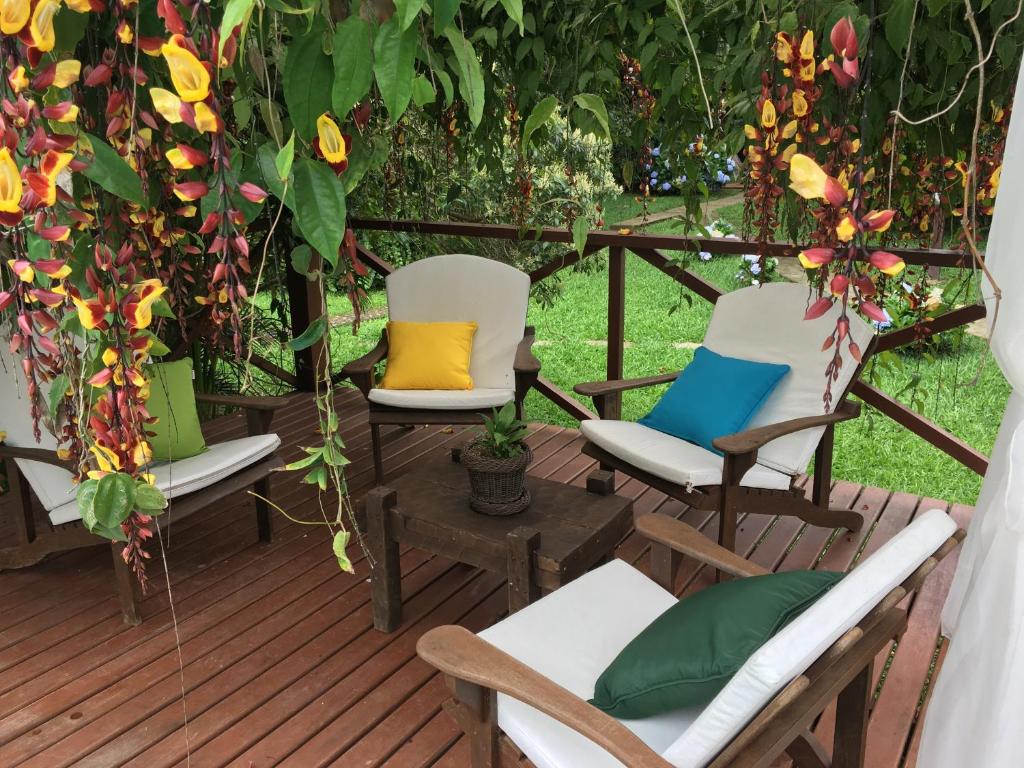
pixel 526 361
pixel 259 411
pixel 242 401
pixel 605 388
pixel 459 653
pixel 687 540
pixel 360 370
pixel 750 440
pixel 41 455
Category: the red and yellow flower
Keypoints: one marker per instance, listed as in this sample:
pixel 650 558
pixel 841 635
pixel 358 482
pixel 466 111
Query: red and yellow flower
pixel 190 76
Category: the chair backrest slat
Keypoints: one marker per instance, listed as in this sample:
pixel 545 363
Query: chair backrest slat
pixel 464 288
pixel 767 324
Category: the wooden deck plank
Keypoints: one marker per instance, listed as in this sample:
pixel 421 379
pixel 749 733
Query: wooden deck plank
pixel 281 665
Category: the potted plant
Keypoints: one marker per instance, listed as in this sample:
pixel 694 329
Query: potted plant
pixel 497 462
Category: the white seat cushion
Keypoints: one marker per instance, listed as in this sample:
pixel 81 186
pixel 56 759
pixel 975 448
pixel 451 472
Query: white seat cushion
pixel 178 478
pixel 670 458
pixel 571 636
pixel 806 638
pixel 767 324
pixel 442 399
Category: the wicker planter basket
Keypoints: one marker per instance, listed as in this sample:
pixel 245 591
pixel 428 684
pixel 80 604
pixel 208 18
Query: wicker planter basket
pixel 496 486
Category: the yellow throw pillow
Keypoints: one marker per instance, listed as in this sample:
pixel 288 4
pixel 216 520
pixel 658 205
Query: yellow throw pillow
pixel 429 356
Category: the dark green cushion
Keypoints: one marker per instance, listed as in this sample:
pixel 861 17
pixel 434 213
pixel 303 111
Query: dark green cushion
pixel 688 654
pixel 176 434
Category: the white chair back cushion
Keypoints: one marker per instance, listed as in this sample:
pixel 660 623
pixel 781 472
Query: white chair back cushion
pixel 767 324
pixel 798 645
pixel 53 485
pixel 463 288
pixel 570 636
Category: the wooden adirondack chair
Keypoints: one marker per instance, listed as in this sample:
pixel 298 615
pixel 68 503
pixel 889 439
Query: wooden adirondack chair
pixel 454 288
pixel 33 469
pixel 760 465
pixel 520 688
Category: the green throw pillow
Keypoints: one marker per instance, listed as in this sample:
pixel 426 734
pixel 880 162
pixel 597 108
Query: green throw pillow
pixel 176 434
pixel 688 654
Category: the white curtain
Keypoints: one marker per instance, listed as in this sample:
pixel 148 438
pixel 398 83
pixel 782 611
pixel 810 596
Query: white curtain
pixel 975 713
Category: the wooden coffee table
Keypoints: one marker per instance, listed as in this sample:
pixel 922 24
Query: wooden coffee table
pixel 564 532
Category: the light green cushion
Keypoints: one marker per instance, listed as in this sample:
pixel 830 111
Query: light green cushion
pixel 688 654
pixel 176 434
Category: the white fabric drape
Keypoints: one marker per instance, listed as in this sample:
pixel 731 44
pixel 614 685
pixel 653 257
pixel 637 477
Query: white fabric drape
pixel 974 715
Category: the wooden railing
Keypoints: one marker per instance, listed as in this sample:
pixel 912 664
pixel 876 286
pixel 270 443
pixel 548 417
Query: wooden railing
pixel 305 303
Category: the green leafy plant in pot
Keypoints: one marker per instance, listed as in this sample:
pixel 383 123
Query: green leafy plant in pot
pixel 497 462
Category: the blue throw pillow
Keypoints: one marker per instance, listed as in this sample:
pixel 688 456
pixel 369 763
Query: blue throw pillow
pixel 714 396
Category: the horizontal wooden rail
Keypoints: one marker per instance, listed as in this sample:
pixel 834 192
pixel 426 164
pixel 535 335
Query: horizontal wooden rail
pixel 381 266
pixel 925 328
pixel 931 432
pixel 635 240
pixel 274 370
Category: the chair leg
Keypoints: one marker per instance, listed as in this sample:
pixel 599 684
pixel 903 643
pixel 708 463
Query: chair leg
pixel 127 586
pixel 264 521
pixel 807 752
pixel 850 747
pixel 480 704
pixel 378 454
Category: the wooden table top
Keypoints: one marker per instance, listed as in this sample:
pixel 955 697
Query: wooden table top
pixel 433 500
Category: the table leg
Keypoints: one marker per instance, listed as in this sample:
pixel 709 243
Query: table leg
pixel 522 586
pixel 385 572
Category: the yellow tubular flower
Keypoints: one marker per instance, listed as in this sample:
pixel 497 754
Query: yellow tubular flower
pixel 190 78
pixel 178 160
pixel 18 79
pixel 332 143
pixel 807 45
pixel 70 116
pixel 79 6
pixel 167 104
pixel 11 187
pixel 68 72
pixel 206 119
pixel 149 291
pixel 41 25
pixel 14 15
pixel 768 115
pixel 106 459
pixel 800 107
pixel 846 229
pixel 806 177
pixel 109 356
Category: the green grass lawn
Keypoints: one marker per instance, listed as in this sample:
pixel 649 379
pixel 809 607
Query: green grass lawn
pixel 872 450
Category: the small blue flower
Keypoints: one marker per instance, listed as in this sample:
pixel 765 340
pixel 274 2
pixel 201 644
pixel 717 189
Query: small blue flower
pixel 755 269
pixel 692 145
pixel 717 155
pixel 654 174
pixel 730 165
pixel 751 258
pixel 706 256
pixel 721 178
pixel 666 186
pixel 682 179
pixel 647 167
pixel 656 152
pixel 755 283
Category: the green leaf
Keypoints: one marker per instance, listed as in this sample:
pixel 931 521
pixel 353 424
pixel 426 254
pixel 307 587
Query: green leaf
pixel 897 23
pixel 235 12
pixel 446 84
pixel 339 545
pixel 310 336
pixel 114 499
pixel 444 14
pixel 407 11
pixel 580 228
pixel 149 498
pixel 301 257
pixel 514 9
pixel 540 115
pixel 314 456
pixel 320 208
pixel 284 159
pixel 266 160
pixel 394 57
pixel 595 105
pixel 308 76
pixel 58 387
pixel 471 76
pixel 423 91
pixel 110 171
pixel 353 64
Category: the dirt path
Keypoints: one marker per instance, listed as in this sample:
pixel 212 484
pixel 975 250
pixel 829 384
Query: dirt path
pixel 713 207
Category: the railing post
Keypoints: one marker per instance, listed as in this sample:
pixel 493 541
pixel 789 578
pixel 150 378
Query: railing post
pixel 616 325
pixel 306 305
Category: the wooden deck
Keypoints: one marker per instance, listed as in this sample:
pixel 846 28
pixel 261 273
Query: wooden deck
pixel 280 663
